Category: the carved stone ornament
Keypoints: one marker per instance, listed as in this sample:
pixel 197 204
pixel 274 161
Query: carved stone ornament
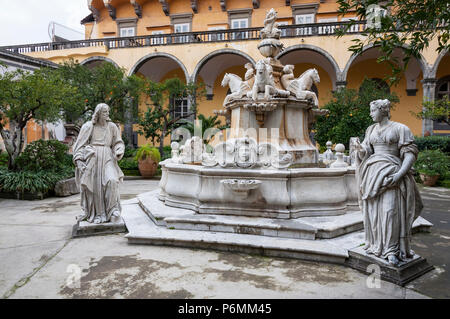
pixel 246 153
pixel 241 187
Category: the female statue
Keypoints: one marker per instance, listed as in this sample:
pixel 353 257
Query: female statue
pixel 389 197
pixel 96 152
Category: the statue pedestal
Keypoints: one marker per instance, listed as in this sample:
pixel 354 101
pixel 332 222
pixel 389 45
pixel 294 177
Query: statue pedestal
pixel 401 275
pixel 85 229
pixel 283 122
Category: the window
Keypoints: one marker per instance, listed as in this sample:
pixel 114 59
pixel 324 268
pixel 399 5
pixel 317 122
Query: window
pixel 126 27
pixel 157 40
pixel 239 24
pixel 181 24
pixel 181 28
pixel 283 31
pixel 216 36
pixel 239 19
pixel 180 107
pixel 304 19
pixel 127 32
pixel 327 29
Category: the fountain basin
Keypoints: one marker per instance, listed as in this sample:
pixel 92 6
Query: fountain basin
pixel 284 194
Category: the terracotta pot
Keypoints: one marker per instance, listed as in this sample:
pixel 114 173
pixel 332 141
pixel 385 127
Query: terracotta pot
pixel 147 167
pixel 429 180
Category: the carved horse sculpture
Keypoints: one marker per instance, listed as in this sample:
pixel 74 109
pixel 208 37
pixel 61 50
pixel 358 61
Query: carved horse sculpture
pixel 264 82
pixel 301 87
pixel 238 87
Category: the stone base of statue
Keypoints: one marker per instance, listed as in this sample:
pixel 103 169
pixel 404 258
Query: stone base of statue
pixel 405 272
pixel 85 229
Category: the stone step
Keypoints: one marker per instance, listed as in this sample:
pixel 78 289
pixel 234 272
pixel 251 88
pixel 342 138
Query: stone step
pixel 142 230
pixel 320 227
pixel 244 225
pixel 334 226
pixel 302 228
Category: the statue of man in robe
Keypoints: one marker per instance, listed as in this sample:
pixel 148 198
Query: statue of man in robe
pixel 97 151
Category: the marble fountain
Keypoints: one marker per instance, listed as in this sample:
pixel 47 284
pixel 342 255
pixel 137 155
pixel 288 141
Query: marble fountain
pixel 262 189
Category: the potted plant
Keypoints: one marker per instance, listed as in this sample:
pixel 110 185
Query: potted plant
pixel 431 164
pixel 148 158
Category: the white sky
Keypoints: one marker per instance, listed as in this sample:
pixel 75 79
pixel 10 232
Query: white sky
pixel 26 21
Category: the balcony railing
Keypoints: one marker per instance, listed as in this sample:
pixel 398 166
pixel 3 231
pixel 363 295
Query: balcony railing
pixel 287 31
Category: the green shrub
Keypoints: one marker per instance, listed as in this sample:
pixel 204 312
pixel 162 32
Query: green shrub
pixel 148 151
pixel 32 181
pixel 3 158
pixel 129 163
pixel 433 162
pixel 129 152
pixel 434 142
pixel 44 155
pixel 445 183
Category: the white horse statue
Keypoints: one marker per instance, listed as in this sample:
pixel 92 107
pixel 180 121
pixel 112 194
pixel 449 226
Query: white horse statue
pixel 301 87
pixel 264 82
pixel 238 87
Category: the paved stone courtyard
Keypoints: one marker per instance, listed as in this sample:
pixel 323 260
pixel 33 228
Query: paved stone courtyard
pixel 38 259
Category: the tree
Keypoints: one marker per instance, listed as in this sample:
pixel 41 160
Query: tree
pixel 26 96
pixel 410 25
pixel 105 83
pixel 349 114
pixel 160 118
pixel 438 110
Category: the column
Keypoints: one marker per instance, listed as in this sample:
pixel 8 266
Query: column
pixel 429 87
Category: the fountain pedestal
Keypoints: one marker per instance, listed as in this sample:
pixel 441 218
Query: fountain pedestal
pixel 282 122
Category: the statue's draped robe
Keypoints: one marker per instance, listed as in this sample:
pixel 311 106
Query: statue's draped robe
pixel 99 182
pixel 388 212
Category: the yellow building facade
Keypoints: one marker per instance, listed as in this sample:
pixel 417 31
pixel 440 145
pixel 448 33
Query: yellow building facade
pixel 201 40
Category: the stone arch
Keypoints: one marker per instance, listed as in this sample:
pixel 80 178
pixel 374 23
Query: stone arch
pixel 334 72
pixel 154 55
pixel 213 54
pixel 433 71
pixel 94 59
pixel 422 62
